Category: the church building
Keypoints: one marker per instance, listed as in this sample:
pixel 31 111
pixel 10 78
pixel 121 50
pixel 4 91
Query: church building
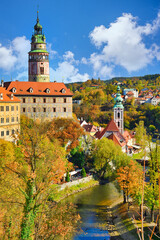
pixel 115 128
pixel 40 98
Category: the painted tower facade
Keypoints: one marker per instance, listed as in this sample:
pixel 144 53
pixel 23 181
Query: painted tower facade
pixel 38 69
pixel 119 111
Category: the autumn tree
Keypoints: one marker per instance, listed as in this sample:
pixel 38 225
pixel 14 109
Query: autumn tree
pixel 67 131
pixel 28 176
pixel 130 179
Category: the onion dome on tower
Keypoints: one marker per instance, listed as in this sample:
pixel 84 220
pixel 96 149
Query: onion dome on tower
pixel 38 62
pixel 118 111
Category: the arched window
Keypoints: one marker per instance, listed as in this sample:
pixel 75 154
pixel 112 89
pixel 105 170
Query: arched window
pixel 118 114
pixel 118 124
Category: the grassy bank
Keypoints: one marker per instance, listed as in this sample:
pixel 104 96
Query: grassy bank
pixel 61 194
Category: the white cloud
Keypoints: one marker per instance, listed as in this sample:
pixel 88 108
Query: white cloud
pixel 66 70
pixel 7 59
pixel 69 57
pixel 84 60
pixel 52 53
pixel 16 55
pixel 123 45
pixel 21 47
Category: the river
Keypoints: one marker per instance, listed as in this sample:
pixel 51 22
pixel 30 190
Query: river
pixel 92 206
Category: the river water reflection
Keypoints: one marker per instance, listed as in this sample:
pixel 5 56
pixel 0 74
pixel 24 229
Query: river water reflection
pixel 92 207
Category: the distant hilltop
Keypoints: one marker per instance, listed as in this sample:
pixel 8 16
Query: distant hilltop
pixel 152 80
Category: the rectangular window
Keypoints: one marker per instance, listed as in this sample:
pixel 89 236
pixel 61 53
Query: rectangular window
pixel 34 100
pixel 54 109
pixel 54 100
pixel 23 100
pixel 44 100
pixel 23 110
pixel 2 108
pixel 12 131
pixel 41 70
pixel 12 108
pixel 34 109
pixel 7 108
pixel 12 119
pixel 2 133
pixel 7 120
pixel 7 132
pixel 64 100
pixel 17 108
pixel 64 109
pixel 2 120
pixel 44 109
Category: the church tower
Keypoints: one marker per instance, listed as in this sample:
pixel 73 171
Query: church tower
pixel 118 111
pixel 38 69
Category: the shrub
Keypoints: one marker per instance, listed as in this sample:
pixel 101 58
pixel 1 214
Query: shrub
pixel 67 177
pixel 83 172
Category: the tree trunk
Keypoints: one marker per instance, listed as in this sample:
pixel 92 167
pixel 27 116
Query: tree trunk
pixel 140 206
pixel 27 226
pixel 152 214
pixel 124 196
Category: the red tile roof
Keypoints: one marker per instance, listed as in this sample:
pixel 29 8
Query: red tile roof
pixel 39 88
pixel 130 93
pixel 117 140
pixel 90 128
pixel 6 96
pixel 111 127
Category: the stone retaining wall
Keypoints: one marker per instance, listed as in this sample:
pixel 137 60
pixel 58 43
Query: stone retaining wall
pixel 82 180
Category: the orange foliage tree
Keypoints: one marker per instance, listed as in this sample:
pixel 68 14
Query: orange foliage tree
pixel 130 179
pixel 67 131
pixel 29 172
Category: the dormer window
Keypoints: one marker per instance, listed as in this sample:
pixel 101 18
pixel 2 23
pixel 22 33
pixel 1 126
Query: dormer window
pixel 1 96
pixel 31 90
pixel 63 90
pixel 47 90
pixel 12 96
pixel 13 89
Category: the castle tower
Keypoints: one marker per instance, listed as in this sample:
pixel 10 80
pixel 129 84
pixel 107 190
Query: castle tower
pixel 38 69
pixel 118 111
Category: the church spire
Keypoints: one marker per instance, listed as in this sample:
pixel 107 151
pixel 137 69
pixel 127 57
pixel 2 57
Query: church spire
pixel 118 111
pixel 38 56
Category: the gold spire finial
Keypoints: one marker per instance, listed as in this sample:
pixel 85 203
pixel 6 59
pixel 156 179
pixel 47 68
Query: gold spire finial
pixel 37 13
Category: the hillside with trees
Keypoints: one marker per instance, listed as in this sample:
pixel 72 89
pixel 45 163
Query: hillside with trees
pixel 96 101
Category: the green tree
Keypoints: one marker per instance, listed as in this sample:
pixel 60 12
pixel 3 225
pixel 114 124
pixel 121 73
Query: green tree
pixel 83 172
pixel 67 177
pixel 106 156
pixel 77 156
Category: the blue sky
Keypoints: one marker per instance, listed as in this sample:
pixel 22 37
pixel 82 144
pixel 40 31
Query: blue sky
pixel 86 38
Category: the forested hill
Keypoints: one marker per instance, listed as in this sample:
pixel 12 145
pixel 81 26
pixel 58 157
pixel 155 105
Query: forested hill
pixel 140 82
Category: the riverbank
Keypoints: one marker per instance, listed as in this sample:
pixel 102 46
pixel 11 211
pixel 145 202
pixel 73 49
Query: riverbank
pixel 122 226
pixel 118 221
pixel 81 186
pixel 114 221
